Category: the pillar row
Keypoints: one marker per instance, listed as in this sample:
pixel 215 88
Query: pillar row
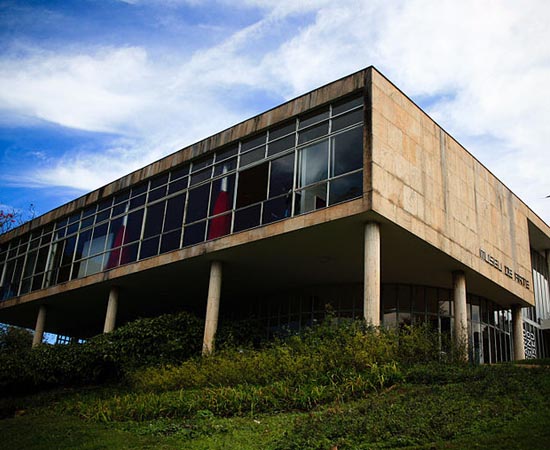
pixel 112 308
pixel 39 328
pixel 460 313
pixel 212 307
pixel 517 328
pixel 371 279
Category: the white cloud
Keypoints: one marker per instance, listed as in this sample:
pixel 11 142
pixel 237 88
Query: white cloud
pixel 484 65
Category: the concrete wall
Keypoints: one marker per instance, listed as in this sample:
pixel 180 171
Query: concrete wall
pixel 427 183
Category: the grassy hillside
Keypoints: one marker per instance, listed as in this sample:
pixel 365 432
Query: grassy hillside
pixel 343 387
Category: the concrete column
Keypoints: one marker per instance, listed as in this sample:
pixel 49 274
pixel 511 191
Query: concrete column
pixel 112 308
pixel 517 325
pixel 460 313
pixel 371 278
pixel 39 328
pixel 212 307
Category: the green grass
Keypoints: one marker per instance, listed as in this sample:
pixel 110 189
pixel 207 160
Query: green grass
pixel 348 386
pixel 501 407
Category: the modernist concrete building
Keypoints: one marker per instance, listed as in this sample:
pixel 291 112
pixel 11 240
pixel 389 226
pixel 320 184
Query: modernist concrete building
pixel 349 195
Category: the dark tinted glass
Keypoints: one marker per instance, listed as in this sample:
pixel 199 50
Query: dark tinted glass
pixel 313 133
pixel 159 181
pixel 133 226
pixel 203 175
pixel 345 188
pixel 347 104
pixel 179 172
pixel 194 234
pixel 281 145
pixel 138 190
pixel 253 142
pixel 347 119
pixel 226 166
pixel 226 153
pixel 137 202
pixel 247 218
pixel 170 241
pixel 177 185
pixel 157 194
pixel 312 118
pixel 198 203
pixel 277 209
pixel 252 156
pixel 282 175
pixel 348 151
pixel 252 185
pixel 202 163
pixel 153 221
pixel 282 130
pixel 149 248
pixel 83 244
pixel 174 213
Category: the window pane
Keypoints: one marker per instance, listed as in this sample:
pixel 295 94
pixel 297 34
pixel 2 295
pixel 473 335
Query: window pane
pixel 277 209
pixel 282 175
pixel 177 185
pixel 116 233
pixel 156 194
pixel 226 166
pixel 313 163
pixel 347 119
pixel 252 185
pixel 128 253
pixel 312 198
pixel 95 265
pixel 282 130
pixel 202 163
pixel 41 261
pixel 170 241
pixel 98 241
pixel 83 247
pixel 312 118
pixel 153 221
pixel 174 213
pixel 201 176
pixel 180 172
pixel 194 234
pixel 247 218
pixel 222 195
pixel 345 188
pixel 133 226
pixel 226 153
pixel 140 189
pixel 149 248
pixel 252 156
pixel 281 145
pixel 159 181
pixel 254 142
pixel 346 105
pixel 347 151
pixel 313 133
pixel 140 200
pixel 219 226
pixel 198 203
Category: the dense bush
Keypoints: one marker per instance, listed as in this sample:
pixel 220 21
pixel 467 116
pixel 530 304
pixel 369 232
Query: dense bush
pixel 144 342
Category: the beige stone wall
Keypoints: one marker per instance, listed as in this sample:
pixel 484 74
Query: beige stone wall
pixel 424 181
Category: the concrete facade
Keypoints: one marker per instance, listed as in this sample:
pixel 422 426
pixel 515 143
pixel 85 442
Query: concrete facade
pixel 426 210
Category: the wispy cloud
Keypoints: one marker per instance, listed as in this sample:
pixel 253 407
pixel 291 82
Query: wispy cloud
pixel 483 66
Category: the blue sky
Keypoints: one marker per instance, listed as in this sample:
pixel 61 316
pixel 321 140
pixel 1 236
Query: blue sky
pixel 90 90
